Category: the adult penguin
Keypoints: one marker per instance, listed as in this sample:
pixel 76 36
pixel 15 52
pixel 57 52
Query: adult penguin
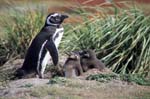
pixel 43 47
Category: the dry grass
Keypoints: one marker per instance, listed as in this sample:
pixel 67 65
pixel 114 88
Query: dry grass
pixel 94 91
pixel 79 89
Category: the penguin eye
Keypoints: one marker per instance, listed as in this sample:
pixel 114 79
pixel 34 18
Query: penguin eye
pixel 84 52
pixel 57 18
pixel 52 19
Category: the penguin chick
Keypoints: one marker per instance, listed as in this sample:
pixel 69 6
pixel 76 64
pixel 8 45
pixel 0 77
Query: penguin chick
pixel 72 66
pixel 89 60
pixel 44 46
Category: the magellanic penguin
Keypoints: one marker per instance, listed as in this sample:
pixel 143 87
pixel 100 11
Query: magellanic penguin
pixel 89 60
pixel 72 66
pixel 44 46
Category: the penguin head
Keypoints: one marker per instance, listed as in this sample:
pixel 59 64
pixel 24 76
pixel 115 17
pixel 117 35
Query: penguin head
pixel 73 55
pixel 55 19
pixel 88 53
pixel 84 54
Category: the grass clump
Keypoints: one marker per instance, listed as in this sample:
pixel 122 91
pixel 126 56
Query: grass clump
pixel 19 28
pixel 27 85
pixel 121 40
pixel 135 78
pixel 138 79
pixel 102 77
pixel 57 80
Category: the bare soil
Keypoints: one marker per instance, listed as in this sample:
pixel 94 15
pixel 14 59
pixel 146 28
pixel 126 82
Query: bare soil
pixel 73 89
pixel 77 88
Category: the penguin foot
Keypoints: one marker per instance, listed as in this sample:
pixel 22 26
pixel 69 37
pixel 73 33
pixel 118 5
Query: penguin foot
pixel 41 76
pixel 19 73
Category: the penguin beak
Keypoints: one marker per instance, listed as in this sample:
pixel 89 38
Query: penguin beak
pixel 87 55
pixel 64 16
pixel 80 52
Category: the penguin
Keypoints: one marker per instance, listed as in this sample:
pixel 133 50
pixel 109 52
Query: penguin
pixel 72 66
pixel 90 61
pixel 43 47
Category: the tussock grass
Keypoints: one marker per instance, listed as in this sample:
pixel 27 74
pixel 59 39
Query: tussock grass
pixel 20 28
pixel 121 40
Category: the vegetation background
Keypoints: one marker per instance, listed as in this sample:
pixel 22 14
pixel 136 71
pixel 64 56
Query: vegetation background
pixel 118 30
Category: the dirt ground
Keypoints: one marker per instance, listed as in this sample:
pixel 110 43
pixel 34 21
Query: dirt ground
pixel 73 88
pixel 35 88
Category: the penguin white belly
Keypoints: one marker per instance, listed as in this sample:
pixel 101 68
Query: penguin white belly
pixel 59 32
pixel 45 61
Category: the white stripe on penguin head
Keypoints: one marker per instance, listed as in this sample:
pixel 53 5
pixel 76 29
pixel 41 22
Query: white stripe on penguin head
pixel 48 19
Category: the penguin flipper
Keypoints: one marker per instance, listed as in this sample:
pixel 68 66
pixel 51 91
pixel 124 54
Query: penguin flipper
pixel 50 46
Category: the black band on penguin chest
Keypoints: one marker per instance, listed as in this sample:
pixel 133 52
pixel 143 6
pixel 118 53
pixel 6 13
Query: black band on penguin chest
pixel 57 34
pixel 51 32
